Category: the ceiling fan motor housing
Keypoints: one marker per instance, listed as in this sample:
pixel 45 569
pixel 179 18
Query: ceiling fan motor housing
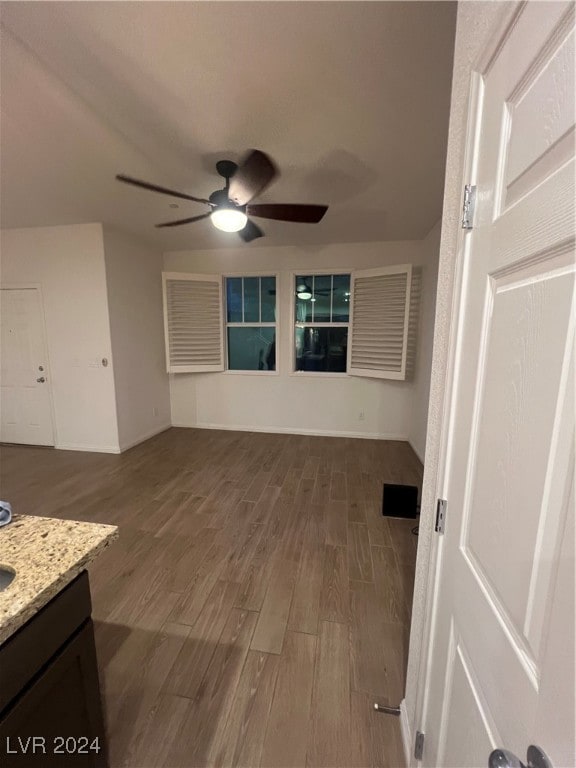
pixel 220 198
pixel 226 168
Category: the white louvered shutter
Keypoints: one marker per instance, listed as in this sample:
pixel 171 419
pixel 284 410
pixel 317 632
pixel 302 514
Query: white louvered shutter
pixel 378 341
pixel 193 325
pixel 414 321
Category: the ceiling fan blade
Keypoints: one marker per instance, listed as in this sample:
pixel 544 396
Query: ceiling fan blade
pixel 254 174
pixel 183 221
pixel 250 232
pixel 308 214
pixel 162 190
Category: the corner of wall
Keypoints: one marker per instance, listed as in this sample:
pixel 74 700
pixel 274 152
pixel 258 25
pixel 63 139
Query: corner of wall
pixel 134 291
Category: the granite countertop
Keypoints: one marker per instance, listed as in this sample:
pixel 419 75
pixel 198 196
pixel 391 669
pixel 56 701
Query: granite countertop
pixel 46 554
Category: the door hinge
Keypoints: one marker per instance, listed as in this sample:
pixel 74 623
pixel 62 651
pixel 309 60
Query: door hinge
pixel 419 745
pixel 468 206
pixel 441 506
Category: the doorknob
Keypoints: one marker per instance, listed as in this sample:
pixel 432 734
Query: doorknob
pixel 502 758
pixel 41 380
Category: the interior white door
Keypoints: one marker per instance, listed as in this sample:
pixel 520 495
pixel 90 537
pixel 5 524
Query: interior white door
pixel 25 405
pixel 502 662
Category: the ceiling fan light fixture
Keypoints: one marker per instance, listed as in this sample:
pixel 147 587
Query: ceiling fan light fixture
pixel 228 206
pixel 303 291
pixel 228 219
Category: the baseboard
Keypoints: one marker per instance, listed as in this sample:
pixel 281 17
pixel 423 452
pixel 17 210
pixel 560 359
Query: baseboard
pixel 296 431
pixel 144 437
pixel 88 448
pixel 406 733
pixel 416 451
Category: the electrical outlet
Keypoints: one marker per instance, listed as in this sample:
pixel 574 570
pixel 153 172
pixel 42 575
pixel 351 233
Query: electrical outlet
pixel 361 416
pixel 154 411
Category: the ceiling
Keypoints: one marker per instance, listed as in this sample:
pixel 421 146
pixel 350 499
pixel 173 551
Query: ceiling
pixel 350 99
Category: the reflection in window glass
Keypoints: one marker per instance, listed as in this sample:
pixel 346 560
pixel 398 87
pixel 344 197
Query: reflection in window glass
pixel 251 300
pixel 234 299
pixel 322 299
pixel 303 298
pixel 322 314
pixel 268 299
pixel 321 349
pixel 341 299
pixel 251 348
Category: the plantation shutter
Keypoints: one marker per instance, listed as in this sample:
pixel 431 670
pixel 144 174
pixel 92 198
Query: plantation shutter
pixel 414 321
pixel 193 325
pixel 380 315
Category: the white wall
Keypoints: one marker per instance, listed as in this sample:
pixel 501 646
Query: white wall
pixel 68 263
pixel 134 283
pixel 417 431
pixel 302 402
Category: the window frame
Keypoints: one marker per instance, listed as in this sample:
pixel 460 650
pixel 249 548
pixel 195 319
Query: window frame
pixel 226 324
pixel 293 324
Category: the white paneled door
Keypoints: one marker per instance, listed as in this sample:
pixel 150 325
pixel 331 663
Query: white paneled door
pixel 501 669
pixel 25 404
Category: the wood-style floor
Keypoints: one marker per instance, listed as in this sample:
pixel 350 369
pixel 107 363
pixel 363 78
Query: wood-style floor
pixel 256 604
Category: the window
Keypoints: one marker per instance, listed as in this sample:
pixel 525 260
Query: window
pixel 322 316
pixel 364 323
pixel 251 323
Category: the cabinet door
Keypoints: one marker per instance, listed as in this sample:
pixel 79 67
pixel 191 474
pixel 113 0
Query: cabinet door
pixel 58 722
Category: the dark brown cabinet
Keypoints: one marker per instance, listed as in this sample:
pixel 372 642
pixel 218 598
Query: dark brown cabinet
pixel 49 690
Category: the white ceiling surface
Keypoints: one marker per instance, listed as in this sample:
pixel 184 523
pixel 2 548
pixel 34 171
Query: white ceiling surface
pixel 350 99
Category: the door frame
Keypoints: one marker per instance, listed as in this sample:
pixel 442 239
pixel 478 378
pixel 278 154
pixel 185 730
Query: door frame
pixel 38 287
pixel 479 28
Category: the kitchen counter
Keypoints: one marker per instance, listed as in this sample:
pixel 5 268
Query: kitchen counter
pixel 46 554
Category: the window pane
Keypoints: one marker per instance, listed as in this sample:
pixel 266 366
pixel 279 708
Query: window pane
pixel 251 300
pixel 322 295
pixel 303 287
pixel 251 349
pixel 341 299
pixel 234 299
pixel 268 299
pixel 321 349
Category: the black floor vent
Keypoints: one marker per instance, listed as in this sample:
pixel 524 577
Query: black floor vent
pixel 400 501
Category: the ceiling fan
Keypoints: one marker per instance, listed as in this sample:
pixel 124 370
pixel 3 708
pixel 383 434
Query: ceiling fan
pixel 231 206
